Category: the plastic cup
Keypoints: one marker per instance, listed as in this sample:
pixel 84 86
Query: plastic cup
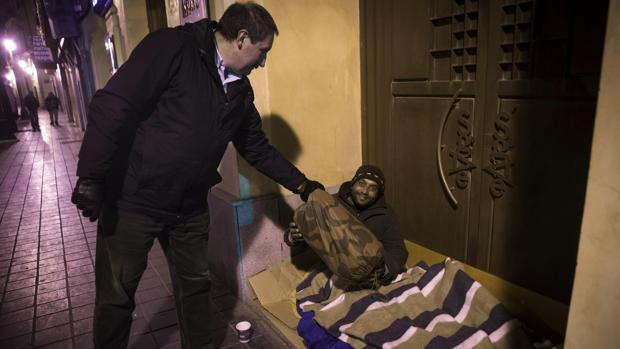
pixel 244 331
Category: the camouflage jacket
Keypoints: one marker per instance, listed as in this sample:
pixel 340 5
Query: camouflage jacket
pixel 382 220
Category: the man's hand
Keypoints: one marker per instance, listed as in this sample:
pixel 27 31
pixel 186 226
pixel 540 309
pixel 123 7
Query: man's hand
pixel 308 187
pixel 292 236
pixel 88 197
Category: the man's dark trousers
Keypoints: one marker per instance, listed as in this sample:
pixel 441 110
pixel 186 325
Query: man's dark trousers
pixel 34 119
pixel 53 116
pixel 123 242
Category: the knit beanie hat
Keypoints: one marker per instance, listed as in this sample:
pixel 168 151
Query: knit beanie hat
pixel 371 172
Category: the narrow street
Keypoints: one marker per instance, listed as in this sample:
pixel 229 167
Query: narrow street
pixel 47 254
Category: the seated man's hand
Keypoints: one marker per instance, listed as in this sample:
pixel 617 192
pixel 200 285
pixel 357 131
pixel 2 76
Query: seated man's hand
pixel 293 236
pixel 308 187
pixel 88 197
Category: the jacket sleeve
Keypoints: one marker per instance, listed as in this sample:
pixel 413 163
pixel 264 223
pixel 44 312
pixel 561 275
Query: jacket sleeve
pixel 129 96
pixel 395 252
pixel 251 142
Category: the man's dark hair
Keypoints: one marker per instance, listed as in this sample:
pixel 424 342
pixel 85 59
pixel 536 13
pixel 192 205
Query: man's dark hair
pixel 249 16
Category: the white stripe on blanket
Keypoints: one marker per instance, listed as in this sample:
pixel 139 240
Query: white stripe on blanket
pixel 343 336
pixel 405 337
pixel 307 303
pixel 439 319
pixel 431 285
pixel 473 340
pixel 334 303
pixel 403 297
pixel 503 329
pixel 467 305
pixel 400 299
pixel 462 313
pixel 479 335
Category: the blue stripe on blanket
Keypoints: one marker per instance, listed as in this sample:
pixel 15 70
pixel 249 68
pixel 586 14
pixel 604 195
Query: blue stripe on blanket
pixel 398 328
pixel 360 306
pixel 322 295
pixel 456 296
pixel 308 280
pixel 457 338
pixel 422 264
pixel 497 317
pixel 425 318
pixel 432 271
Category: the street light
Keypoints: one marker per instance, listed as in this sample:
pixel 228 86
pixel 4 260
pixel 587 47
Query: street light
pixel 10 77
pixel 10 46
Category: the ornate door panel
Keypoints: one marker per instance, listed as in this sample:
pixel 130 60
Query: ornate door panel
pixel 481 113
pixel 538 122
pixel 435 152
pixel 532 191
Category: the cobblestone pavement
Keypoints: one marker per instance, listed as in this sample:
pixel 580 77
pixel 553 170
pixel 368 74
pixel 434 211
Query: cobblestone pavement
pixel 47 253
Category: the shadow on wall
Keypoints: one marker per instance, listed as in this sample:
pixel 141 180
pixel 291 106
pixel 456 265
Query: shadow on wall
pixel 284 139
pixel 250 229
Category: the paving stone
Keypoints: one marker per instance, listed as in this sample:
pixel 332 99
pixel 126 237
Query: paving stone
pixel 84 341
pixel 65 344
pixel 82 299
pixel 83 312
pixel 52 335
pixel 52 307
pixel 145 341
pixel 167 335
pixel 52 320
pixel 19 342
pixel 83 326
pixel 16 329
pixel 17 316
pixel 17 304
pixel 43 298
pixel 21 293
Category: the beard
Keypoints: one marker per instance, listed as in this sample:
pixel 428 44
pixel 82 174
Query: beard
pixel 362 201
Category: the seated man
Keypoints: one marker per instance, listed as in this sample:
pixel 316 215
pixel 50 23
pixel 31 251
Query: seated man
pixel 363 197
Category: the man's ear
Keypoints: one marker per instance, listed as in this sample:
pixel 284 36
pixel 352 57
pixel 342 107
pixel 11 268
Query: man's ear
pixel 241 36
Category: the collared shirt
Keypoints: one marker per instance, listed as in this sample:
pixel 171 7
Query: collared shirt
pixel 227 76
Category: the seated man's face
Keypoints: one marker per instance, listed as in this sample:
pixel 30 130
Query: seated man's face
pixel 364 192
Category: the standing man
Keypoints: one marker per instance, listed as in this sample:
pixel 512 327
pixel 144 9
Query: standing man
pixel 155 137
pixel 51 104
pixel 32 105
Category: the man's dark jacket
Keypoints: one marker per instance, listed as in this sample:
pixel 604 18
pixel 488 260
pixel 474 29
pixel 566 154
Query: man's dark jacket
pixel 51 102
pixel 31 102
pixel 381 219
pixel 159 128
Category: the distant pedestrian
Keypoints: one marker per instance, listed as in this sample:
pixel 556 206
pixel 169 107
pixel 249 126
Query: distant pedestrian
pixel 32 105
pixel 51 104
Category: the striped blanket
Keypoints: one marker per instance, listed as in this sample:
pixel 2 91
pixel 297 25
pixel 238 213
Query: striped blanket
pixel 426 307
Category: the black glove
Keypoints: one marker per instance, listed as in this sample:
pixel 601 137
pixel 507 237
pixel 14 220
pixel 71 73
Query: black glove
pixel 292 235
pixel 88 197
pixel 308 187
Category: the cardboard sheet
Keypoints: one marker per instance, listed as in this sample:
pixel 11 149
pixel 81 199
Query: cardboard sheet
pixel 275 287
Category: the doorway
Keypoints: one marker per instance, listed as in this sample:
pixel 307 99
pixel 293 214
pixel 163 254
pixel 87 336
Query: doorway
pixel 481 113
